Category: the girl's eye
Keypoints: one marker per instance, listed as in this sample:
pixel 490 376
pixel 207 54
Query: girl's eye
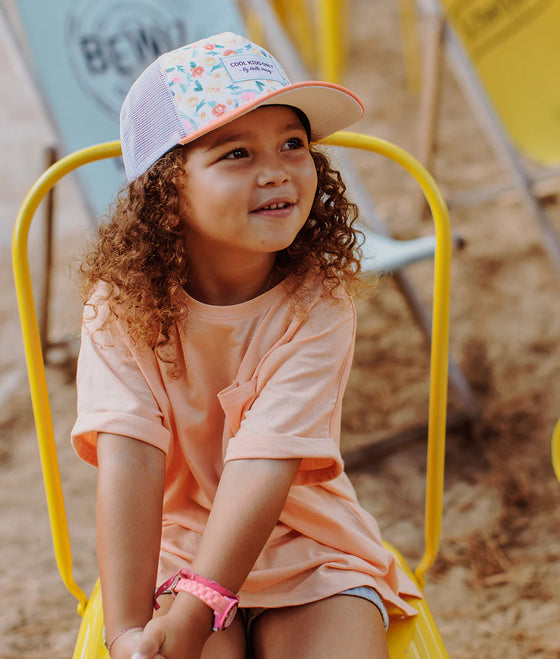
pixel 236 154
pixel 294 143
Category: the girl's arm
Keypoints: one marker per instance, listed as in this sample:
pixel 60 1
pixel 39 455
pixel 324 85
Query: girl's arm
pixel 249 499
pixel 248 503
pixel 129 509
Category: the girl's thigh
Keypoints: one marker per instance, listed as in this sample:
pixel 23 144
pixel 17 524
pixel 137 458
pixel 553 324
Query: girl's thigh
pixel 229 644
pixel 339 626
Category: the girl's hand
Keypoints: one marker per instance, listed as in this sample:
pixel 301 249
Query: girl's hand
pixel 125 645
pixel 178 634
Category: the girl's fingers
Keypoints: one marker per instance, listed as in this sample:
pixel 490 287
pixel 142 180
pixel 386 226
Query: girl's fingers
pixel 150 642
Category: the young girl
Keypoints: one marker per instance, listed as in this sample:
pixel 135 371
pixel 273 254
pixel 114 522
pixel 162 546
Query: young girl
pixel 216 345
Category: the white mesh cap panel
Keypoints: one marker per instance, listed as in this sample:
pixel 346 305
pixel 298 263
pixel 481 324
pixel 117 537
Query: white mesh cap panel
pixel 150 125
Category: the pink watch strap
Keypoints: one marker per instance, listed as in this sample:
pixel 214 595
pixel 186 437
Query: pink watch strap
pixel 221 600
pixel 207 582
pixel 224 606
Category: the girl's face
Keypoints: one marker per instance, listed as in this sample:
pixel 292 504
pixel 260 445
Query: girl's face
pixel 248 190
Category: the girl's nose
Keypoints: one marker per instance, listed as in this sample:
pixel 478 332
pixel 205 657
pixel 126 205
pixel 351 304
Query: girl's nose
pixel 273 172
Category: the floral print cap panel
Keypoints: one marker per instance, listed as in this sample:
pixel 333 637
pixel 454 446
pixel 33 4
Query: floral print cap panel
pixel 211 78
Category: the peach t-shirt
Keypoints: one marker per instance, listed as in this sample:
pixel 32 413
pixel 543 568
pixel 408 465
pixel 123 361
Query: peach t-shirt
pixel 259 380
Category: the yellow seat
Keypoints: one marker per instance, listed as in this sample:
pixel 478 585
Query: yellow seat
pixel 415 637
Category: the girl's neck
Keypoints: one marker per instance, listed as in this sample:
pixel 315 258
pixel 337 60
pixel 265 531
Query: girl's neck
pixel 229 285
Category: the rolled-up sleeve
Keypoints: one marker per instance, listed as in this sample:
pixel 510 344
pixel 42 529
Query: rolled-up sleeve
pixel 295 409
pixel 114 395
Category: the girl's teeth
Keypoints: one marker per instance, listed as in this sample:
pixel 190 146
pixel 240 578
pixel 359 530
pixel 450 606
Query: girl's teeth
pixel 272 207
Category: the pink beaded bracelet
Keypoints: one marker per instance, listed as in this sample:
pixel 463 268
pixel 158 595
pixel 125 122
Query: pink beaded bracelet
pixel 124 631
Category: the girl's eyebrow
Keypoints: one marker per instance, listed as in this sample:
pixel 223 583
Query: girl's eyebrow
pixel 222 140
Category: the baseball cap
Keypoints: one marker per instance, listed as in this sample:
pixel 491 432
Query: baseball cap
pixel 197 88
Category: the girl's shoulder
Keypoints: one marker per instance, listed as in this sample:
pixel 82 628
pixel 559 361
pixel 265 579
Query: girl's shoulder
pixel 318 307
pixel 317 292
pixel 101 317
pixel 96 307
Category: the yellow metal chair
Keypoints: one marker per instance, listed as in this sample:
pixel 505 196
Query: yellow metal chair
pixel 415 637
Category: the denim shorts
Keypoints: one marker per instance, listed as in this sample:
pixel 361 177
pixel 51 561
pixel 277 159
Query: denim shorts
pixel 365 592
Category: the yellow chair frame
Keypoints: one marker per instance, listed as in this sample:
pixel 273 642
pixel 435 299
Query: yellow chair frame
pixel 414 637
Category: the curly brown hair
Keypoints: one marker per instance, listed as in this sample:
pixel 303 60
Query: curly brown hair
pixel 141 259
